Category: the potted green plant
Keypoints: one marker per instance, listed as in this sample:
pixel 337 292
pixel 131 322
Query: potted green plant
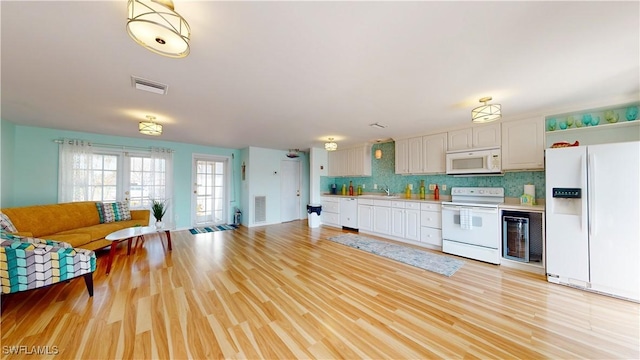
pixel 158 209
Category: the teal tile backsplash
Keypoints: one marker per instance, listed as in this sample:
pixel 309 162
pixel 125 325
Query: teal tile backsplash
pixel 383 171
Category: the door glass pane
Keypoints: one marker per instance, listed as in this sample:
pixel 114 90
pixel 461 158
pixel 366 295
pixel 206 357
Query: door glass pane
pixel 210 201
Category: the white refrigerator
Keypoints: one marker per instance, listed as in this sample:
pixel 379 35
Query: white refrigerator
pixel 592 217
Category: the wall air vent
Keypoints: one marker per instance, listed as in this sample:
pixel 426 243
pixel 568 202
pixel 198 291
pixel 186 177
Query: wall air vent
pixel 260 209
pixel 148 85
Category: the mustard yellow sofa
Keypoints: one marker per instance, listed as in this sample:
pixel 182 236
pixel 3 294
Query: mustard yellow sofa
pixel 76 223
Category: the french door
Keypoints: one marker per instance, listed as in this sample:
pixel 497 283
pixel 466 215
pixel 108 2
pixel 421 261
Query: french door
pixel 210 192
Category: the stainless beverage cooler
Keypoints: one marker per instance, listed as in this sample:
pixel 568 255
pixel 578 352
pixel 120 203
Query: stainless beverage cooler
pixel 515 238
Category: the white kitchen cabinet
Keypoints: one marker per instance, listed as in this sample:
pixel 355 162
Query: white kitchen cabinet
pixel 486 135
pixel 330 214
pixel 397 219
pixel 414 156
pixel 434 149
pixel 523 144
pixel 460 139
pixel 355 161
pixel 382 217
pixel 365 214
pixel 431 224
pixel 349 212
pixel 482 136
pixel 412 221
pixel 402 156
pixel 337 163
pixel 405 220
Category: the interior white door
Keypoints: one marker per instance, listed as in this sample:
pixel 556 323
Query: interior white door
pixel 289 190
pixel 210 191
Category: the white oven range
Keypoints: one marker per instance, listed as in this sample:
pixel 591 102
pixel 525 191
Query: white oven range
pixel 471 223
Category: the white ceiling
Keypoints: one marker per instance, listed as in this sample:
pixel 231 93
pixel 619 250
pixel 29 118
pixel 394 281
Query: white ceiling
pixel 288 75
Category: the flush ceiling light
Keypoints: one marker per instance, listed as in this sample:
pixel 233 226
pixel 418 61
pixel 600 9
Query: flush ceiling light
pixel 150 127
pixel 330 146
pixel 156 26
pixel 486 113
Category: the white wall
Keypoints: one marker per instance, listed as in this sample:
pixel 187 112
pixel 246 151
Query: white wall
pixel 318 161
pixel 263 179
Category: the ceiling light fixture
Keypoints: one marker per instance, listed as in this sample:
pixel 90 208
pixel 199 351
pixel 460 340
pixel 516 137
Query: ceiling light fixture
pixel 378 126
pixel 486 113
pixel 150 127
pixel 156 26
pixel 331 145
pixel 293 153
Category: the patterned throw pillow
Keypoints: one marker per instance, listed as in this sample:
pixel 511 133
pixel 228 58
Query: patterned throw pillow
pixel 117 211
pixel 6 224
pixel 100 212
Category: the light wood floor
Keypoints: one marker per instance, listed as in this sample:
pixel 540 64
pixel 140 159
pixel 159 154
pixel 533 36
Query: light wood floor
pixel 283 291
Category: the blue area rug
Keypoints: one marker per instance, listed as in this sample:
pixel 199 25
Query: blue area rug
pixel 423 259
pixel 207 229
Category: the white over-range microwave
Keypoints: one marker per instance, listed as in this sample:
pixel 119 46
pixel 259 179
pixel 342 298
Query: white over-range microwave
pixel 487 161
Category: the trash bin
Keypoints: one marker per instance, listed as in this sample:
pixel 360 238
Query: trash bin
pixel 314 211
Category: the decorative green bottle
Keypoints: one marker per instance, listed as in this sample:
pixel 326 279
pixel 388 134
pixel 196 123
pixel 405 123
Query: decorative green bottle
pixel 407 192
pixel 359 190
pixel 422 190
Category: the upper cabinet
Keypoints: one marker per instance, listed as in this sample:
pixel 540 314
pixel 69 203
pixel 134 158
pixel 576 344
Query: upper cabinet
pixel 421 155
pixel 483 136
pixel 434 150
pixel 350 162
pixel 415 155
pixel 402 156
pixel 523 144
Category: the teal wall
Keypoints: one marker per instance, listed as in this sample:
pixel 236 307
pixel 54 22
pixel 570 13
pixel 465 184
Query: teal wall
pixel 7 145
pixel 383 171
pixel 31 172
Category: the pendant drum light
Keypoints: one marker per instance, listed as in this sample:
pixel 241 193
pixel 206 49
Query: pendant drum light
pixel 156 26
pixel 487 112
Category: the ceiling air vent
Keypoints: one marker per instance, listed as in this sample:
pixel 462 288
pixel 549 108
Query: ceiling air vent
pixel 148 85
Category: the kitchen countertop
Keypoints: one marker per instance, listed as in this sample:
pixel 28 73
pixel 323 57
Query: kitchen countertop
pixel 509 203
pixel 395 197
pixel 514 204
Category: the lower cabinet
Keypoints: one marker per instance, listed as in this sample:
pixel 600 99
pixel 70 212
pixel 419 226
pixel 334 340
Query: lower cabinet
pixel 330 214
pixel 412 221
pixel 431 225
pixel 365 214
pixel 382 217
pixel 397 219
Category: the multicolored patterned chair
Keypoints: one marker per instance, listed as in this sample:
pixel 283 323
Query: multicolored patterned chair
pixel 28 263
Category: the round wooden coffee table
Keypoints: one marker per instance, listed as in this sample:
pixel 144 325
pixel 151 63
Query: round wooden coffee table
pixel 128 234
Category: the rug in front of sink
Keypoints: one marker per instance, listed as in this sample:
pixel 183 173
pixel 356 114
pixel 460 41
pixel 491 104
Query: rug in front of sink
pixel 440 264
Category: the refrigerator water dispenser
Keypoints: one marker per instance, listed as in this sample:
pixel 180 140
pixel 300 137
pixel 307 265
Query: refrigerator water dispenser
pixel 566 201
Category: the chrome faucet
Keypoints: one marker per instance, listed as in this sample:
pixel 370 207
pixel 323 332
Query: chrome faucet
pixel 386 190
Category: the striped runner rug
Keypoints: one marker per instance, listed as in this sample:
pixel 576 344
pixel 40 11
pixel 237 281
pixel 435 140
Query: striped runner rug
pixel 207 229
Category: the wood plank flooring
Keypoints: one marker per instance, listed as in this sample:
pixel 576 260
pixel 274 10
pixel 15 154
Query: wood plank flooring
pixel 283 291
